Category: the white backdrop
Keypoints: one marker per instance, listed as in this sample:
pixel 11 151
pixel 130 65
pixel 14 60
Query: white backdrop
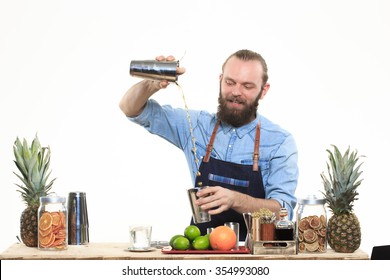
pixel 64 68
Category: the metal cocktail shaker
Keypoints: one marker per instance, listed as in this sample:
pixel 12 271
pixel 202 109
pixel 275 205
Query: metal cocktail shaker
pixel 78 227
pixel 154 70
pixel 199 215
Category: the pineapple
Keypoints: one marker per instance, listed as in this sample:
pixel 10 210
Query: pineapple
pixel 344 234
pixel 33 163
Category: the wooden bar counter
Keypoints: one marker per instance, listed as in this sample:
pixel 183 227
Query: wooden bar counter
pixel 118 251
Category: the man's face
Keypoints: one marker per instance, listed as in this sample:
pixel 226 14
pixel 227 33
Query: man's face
pixel 240 91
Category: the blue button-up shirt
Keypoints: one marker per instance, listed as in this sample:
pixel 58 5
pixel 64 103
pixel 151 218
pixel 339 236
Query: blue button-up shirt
pixel 278 152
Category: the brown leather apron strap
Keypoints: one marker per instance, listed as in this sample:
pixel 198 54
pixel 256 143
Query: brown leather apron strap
pixel 256 150
pixel 211 143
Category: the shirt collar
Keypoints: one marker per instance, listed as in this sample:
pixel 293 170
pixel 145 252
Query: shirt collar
pixel 242 130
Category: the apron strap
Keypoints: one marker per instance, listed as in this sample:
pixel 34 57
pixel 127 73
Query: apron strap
pixel 211 143
pixel 256 150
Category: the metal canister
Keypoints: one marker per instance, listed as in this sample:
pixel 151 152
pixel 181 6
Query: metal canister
pixel 311 225
pixel 154 70
pixel 52 223
pixel 198 214
pixel 78 225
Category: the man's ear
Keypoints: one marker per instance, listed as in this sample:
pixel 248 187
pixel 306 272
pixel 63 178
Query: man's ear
pixel 264 90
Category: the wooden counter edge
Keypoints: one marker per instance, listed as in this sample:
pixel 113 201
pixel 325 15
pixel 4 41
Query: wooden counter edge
pixel 117 251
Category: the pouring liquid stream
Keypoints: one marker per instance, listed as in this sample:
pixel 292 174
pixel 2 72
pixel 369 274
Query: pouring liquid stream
pixel 191 132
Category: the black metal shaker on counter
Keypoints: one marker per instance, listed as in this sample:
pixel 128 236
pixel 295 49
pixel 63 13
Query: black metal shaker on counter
pixel 78 226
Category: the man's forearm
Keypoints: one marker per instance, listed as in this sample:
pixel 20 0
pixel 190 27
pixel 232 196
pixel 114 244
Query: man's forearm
pixel 247 204
pixel 134 100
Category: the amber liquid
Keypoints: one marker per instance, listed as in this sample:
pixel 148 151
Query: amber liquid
pixel 191 131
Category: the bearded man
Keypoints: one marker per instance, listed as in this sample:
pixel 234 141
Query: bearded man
pixel 246 161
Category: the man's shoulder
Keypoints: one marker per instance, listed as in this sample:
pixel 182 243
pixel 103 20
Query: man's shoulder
pixel 269 126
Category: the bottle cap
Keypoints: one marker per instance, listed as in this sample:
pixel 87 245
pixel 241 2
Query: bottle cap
pixel 283 212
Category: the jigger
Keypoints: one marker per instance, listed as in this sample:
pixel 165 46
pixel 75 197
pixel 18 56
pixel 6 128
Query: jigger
pixel 78 227
pixel 248 222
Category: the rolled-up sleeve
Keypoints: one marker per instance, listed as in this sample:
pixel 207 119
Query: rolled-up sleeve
pixel 283 175
pixel 165 121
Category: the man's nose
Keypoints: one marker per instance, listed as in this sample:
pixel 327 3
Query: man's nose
pixel 236 90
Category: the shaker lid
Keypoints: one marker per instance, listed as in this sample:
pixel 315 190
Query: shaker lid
pixel 52 198
pixel 311 199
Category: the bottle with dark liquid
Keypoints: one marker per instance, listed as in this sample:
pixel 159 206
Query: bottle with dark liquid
pixel 284 228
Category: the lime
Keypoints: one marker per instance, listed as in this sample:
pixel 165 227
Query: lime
pixel 173 239
pixel 201 243
pixel 181 243
pixel 192 232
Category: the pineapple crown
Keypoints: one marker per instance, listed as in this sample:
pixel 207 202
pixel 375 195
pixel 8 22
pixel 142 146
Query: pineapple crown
pixel 33 163
pixel 340 187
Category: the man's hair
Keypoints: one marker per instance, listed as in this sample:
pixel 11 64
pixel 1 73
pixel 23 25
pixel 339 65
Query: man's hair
pixel 247 55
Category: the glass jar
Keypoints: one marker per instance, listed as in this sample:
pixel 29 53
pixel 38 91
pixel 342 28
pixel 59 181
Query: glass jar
pixel 52 223
pixel 311 225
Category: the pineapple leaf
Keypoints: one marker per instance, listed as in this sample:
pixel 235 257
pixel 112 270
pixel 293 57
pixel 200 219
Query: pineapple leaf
pixel 33 162
pixel 18 157
pixel 342 180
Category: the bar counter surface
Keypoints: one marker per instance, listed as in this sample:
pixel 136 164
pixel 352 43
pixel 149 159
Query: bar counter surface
pixel 118 251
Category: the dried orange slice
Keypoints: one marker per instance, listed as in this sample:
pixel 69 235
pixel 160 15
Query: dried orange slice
pixel 57 229
pixel 301 247
pixel 315 222
pixel 63 218
pixel 47 241
pixel 322 248
pixel 304 224
pixel 61 234
pixel 56 218
pixel 45 221
pixel 58 242
pixel 300 236
pixel 322 232
pixel 323 220
pixel 312 247
pixel 321 240
pixel 310 236
pixel 44 232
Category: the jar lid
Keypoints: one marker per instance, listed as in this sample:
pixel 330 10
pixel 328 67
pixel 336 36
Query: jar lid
pixel 312 200
pixel 52 199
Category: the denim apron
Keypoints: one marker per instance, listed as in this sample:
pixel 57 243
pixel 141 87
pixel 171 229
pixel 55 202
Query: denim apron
pixel 246 179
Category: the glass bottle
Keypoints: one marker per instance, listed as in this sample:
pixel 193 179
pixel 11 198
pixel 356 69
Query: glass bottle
pixel 284 228
pixel 311 225
pixel 52 223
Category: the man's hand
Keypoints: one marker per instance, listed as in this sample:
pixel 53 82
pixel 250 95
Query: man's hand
pixel 215 199
pixel 179 70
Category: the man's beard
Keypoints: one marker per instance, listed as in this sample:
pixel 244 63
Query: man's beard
pixel 235 117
